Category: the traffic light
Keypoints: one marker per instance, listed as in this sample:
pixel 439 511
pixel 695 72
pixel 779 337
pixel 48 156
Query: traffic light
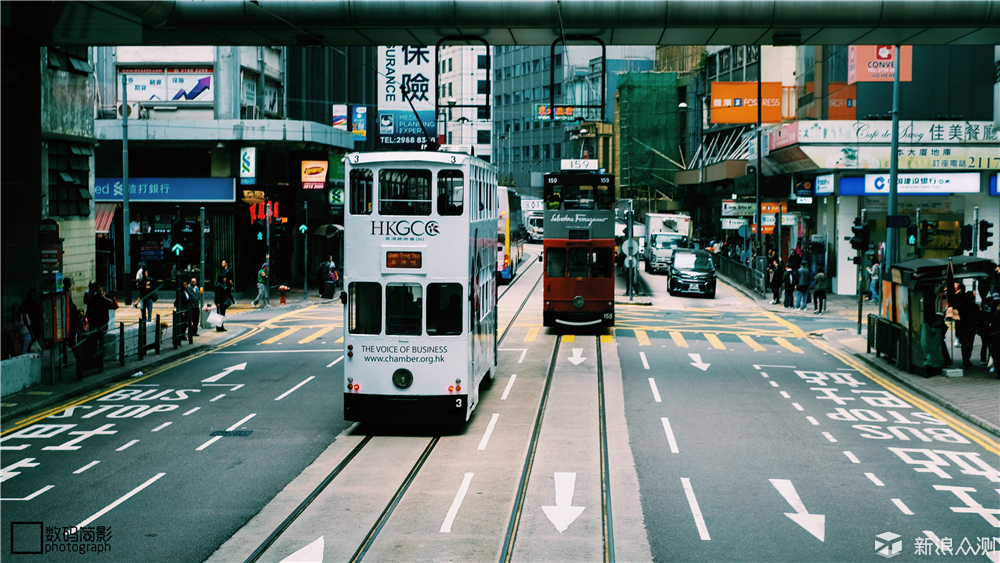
pixel 861 232
pixel 926 229
pixel 302 222
pixel 985 234
pixel 176 237
pixel 966 240
pixel 911 235
pixel 259 228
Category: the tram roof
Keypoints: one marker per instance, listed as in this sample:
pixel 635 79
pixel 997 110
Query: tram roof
pixel 505 22
pixel 441 157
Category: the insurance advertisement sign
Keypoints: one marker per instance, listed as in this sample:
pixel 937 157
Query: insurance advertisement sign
pixel 405 75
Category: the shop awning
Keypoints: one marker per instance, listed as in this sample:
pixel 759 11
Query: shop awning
pixel 103 216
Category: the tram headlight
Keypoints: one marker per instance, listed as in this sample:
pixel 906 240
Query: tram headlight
pixel 402 378
pixel 578 301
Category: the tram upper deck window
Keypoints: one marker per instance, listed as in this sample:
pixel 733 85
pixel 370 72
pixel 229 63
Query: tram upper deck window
pixel 362 181
pixel 404 309
pixel 364 307
pixel 450 192
pixel 555 262
pixel 581 197
pixel 404 191
pixel 444 309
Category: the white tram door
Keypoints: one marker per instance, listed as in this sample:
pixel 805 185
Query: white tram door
pixel 420 321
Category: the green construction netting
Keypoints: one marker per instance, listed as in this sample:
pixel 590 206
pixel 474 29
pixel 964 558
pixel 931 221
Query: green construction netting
pixel 648 117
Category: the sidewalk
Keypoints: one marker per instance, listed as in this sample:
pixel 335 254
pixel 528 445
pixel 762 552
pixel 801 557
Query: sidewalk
pixel 974 396
pixel 34 399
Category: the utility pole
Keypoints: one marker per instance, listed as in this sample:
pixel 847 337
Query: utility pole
pixel 305 255
pixel 892 249
pixel 760 149
pixel 201 267
pixel 975 231
pixel 126 230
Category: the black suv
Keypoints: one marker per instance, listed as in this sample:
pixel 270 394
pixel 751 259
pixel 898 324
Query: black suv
pixel 692 272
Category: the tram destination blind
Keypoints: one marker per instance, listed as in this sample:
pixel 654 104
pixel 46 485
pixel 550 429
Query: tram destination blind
pixel 403 260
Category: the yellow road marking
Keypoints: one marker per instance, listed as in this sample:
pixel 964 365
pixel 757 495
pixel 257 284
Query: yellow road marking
pixel 339 340
pixel 678 339
pixel 569 338
pixel 270 322
pixel 640 335
pixel 796 331
pixel 607 339
pixel 532 334
pixel 788 345
pixel 752 343
pixel 716 343
pixel 281 336
pixel 315 335
pixel 964 429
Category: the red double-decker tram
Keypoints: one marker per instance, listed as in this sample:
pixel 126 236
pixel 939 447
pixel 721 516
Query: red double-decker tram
pixel 579 250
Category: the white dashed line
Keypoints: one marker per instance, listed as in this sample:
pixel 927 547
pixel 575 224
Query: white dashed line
pixel 829 437
pixel 86 467
pixel 126 445
pixel 902 507
pixel 852 457
pixel 874 479
pixel 656 392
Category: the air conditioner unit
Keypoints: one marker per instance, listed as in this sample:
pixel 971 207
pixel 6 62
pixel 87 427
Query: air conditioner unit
pixel 134 110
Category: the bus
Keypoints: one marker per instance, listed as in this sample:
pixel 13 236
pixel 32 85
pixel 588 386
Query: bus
pixel 420 289
pixel 579 250
pixel 510 234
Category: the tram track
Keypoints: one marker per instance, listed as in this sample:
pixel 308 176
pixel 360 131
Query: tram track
pixel 513 526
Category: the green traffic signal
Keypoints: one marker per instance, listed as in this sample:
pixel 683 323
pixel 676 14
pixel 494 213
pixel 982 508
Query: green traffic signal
pixel 260 235
pixel 911 235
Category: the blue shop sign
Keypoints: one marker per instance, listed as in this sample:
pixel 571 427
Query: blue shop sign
pixel 162 190
pixel 993 186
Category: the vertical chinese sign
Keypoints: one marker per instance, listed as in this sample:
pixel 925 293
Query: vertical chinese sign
pixel 410 69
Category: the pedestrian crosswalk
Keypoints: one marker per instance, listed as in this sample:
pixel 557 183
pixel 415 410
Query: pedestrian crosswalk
pixel 298 334
pixel 690 339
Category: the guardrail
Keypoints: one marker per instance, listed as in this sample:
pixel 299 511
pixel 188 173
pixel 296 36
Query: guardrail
pixel 746 276
pixel 889 339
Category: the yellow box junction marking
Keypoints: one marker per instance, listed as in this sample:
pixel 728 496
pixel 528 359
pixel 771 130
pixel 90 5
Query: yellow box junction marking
pixel 281 336
pixel 788 345
pixel 752 343
pixel 339 340
pixel 714 340
pixel 678 339
pixel 607 339
pixel 315 335
pixel 569 338
pixel 532 334
pixel 640 335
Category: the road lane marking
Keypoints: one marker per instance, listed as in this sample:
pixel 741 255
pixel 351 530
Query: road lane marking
pixel 785 394
pixel 449 519
pixel 339 340
pixel 315 335
pixel 532 334
pixel 217 398
pixel 489 431
pixel 523 351
pixel 874 479
pixel 787 344
pixel 333 363
pixel 852 457
pixel 569 338
pixel 127 496
pixel 161 427
pixel 714 340
pixel 678 339
pixel 281 336
pixel 32 495
pixel 902 507
pixel 773 383
pixel 128 445
pixel 765 374
pixel 240 423
pixel 641 336
pixel 645 364
pixel 830 437
pixel 758 366
pixel 698 519
pixel 207 444
pixel 289 392
pixel 510 383
pixel 752 343
pixel 798 407
pixel 670 436
pixel 191 411
pixel 656 392
pixel 292 351
pixel 86 467
pixel 812 421
pixel 607 339
pixel 937 541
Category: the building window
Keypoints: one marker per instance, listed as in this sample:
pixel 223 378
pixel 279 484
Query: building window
pixel 536 65
pixel 483 87
pixel 506 99
pixel 517 125
pixel 69 179
pixel 449 87
pixel 527 68
pixel 546 92
pixel 517 154
pixel 483 137
pixel 537 93
pixel 517 97
pixel 506 72
pixel 498 74
pixel 507 126
pixel 517 71
pixel 558 89
pixel 556 151
pixel 483 112
pixel 449 65
pixel 527 95
pixel 499 100
pixel 535 153
pixel 558 60
pixel 546 152
pixel 483 62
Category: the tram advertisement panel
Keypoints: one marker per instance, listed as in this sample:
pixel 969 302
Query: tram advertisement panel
pixel 417 354
pixel 568 224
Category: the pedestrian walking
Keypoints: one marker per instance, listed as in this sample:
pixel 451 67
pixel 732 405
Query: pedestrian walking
pixel 775 280
pixel 99 310
pixel 262 288
pixel 983 326
pixel 194 305
pixel 147 295
pixel 819 291
pixel 324 273
pixel 873 276
pixel 788 279
pixel 223 292
pixel 965 326
pixel 801 287
pixel 994 320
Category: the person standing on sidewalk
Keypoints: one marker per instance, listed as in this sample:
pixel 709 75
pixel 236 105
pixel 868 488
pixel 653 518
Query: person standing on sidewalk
pixel 965 327
pixel 147 295
pixel 223 289
pixel 262 288
pixel 774 279
pixel 873 276
pixel 194 294
pixel 802 287
pixel 788 279
pixel 819 291
pixel 994 320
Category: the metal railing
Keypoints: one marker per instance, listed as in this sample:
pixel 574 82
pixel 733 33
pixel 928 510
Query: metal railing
pixel 889 339
pixel 750 278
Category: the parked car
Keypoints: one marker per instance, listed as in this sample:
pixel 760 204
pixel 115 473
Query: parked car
pixel 692 271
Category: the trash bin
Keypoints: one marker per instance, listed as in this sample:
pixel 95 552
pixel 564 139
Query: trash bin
pixel 328 289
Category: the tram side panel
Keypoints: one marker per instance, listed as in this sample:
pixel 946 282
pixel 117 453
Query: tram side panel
pixel 418 339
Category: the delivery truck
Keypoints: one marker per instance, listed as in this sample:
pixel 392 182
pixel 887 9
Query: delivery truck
pixel 664 233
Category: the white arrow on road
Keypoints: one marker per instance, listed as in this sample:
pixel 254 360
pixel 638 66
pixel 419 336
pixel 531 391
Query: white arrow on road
pixel 225 372
pixel 312 553
pixel 815 524
pixel 576 358
pixel 563 514
pixel 698 363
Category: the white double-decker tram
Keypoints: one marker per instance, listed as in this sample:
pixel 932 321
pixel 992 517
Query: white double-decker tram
pixel 420 278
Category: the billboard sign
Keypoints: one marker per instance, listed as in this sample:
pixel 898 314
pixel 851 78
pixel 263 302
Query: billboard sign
pixel 167 189
pixel 359 118
pixel 340 117
pixel 314 174
pixel 877 63
pixel 924 183
pixel 409 67
pixel 736 102
pixel 824 185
